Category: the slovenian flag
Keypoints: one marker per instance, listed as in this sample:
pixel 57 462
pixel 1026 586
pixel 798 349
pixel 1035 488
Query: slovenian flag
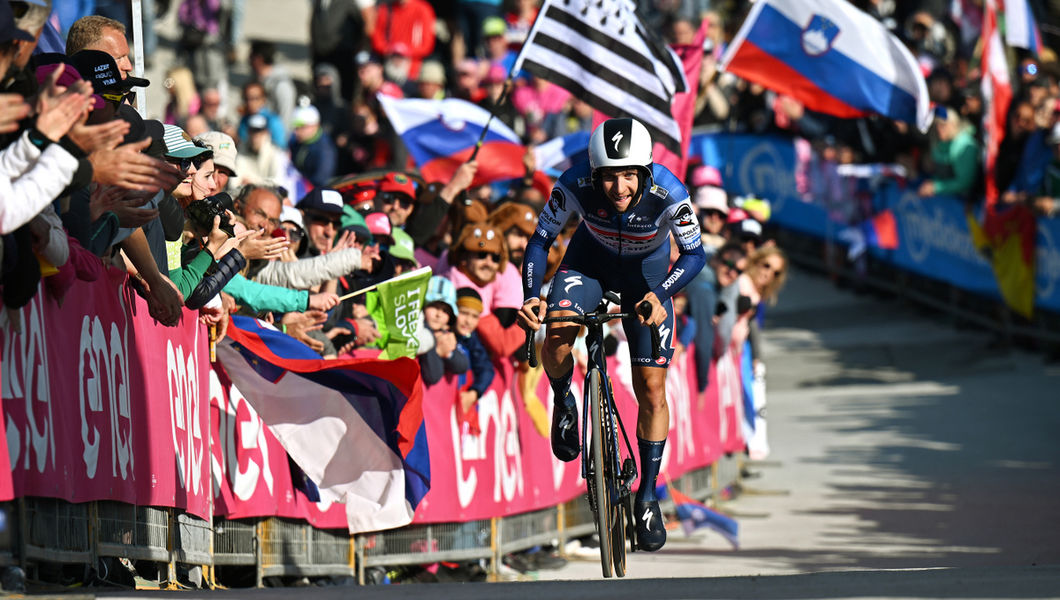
pixel 354 426
pixel 831 57
pixel 442 134
pixel 694 515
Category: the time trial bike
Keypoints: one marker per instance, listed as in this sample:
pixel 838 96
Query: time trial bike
pixel 608 475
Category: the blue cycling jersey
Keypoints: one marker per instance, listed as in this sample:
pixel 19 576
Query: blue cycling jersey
pixel 624 247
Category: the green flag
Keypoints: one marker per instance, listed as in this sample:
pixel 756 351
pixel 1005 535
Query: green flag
pixel 402 302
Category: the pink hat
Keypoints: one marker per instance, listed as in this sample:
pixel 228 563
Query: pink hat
pixel 68 76
pixel 496 74
pixel 705 175
pixel 378 223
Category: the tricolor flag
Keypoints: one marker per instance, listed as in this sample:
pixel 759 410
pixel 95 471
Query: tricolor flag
pixel 694 514
pixel 354 426
pixel 831 57
pixel 602 53
pixel 441 135
pixel 558 154
pixel 1021 30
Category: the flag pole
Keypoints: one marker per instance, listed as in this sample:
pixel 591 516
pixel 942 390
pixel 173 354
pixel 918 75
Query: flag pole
pixel 412 273
pixel 509 81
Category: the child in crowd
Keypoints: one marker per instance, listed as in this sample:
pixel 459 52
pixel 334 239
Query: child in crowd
pixel 469 309
pixel 445 358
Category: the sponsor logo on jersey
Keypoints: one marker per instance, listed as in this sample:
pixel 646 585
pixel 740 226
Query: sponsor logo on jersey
pixel 564 303
pixel 672 279
pixel 683 217
pixel 556 201
pixel 585 182
pixel 601 213
pixel 661 360
pixel 659 191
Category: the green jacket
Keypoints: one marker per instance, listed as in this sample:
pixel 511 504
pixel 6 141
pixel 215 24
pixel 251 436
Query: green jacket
pixel 258 297
pixel 957 164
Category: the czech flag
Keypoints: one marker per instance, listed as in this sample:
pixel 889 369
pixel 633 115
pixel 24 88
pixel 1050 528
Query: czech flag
pixel 354 426
pixel 694 514
pixel 831 57
pixel 441 135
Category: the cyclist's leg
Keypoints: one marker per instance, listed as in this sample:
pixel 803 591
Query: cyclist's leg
pixel 572 292
pixel 653 421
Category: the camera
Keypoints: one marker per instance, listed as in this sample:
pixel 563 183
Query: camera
pixel 202 212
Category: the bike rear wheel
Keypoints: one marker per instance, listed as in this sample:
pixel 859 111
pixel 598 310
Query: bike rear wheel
pixel 598 481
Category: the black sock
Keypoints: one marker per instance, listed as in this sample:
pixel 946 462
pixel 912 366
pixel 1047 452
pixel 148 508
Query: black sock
pixel 650 460
pixel 560 387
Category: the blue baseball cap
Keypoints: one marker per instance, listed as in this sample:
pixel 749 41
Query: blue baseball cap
pixel 8 30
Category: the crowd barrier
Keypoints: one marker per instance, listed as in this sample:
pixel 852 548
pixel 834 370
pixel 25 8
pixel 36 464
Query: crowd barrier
pixel 124 441
pixel 935 261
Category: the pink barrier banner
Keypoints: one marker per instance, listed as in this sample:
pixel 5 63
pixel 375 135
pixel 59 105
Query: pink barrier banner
pixel 508 468
pixel 251 471
pixel 100 402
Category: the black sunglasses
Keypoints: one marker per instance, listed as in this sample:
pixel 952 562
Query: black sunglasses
pixel 186 163
pixel 730 264
pixel 483 254
pixel 390 198
pixel 324 220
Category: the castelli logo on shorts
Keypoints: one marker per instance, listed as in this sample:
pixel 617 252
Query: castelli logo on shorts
pixel 661 360
pixel 601 213
pixel 564 303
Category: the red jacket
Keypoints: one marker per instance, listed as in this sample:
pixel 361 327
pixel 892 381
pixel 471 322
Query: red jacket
pixel 408 22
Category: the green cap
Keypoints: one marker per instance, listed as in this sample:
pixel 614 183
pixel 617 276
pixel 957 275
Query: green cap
pixel 351 217
pixel 403 247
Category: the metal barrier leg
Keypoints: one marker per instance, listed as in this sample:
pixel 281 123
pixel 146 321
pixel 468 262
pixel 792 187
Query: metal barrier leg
pixel 171 542
pixel 259 567
pixel 495 549
pixel 561 528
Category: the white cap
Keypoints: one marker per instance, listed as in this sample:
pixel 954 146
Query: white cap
pixel 710 197
pixel 305 115
pixel 292 214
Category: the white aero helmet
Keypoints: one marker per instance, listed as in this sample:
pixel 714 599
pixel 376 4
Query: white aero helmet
pixel 620 143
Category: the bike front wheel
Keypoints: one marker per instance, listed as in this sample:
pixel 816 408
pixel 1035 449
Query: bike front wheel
pixel 600 481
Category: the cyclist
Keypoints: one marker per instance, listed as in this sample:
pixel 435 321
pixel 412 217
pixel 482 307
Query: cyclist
pixel 629 206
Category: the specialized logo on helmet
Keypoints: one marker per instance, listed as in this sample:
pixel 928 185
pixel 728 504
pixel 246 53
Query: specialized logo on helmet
pixel 620 133
pixel 683 216
pixel 556 201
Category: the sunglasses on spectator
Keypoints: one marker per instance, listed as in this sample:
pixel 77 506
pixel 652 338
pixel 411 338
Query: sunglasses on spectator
pixel 390 198
pixel 119 97
pixel 186 163
pixel 336 222
pixel 730 264
pixel 772 268
pixel 710 212
pixel 491 255
pixel 754 239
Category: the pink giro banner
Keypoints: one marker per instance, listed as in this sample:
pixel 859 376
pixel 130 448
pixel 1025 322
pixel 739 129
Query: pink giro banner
pixel 102 403
pixel 508 468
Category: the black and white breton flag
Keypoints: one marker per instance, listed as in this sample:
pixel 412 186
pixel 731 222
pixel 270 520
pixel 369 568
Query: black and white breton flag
pixel 601 52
